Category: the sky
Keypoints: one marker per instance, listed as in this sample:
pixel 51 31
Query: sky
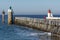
pixel 37 7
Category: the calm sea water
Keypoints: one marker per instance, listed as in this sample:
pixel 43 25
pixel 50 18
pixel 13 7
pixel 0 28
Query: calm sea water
pixel 15 32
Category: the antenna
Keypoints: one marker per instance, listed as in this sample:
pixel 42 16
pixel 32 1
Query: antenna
pixel 10 3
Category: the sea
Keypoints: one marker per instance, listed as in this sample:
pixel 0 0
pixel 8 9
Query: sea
pixel 16 32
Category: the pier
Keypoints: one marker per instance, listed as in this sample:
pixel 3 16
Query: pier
pixel 49 24
pixel 46 25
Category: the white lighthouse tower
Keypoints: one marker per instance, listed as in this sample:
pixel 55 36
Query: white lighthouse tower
pixel 49 13
pixel 10 15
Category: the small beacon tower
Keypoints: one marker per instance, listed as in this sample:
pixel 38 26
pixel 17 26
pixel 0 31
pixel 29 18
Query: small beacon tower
pixel 3 16
pixel 10 15
pixel 49 13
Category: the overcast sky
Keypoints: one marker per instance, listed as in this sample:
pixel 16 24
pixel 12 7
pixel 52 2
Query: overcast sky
pixel 31 6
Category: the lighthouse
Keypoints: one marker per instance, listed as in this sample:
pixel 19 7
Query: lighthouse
pixel 49 13
pixel 10 15
pixel 3 16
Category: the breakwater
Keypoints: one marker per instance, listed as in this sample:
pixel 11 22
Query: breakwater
pixel 52 26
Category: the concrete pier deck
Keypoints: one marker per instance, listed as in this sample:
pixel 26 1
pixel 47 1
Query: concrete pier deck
pixel 52 26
